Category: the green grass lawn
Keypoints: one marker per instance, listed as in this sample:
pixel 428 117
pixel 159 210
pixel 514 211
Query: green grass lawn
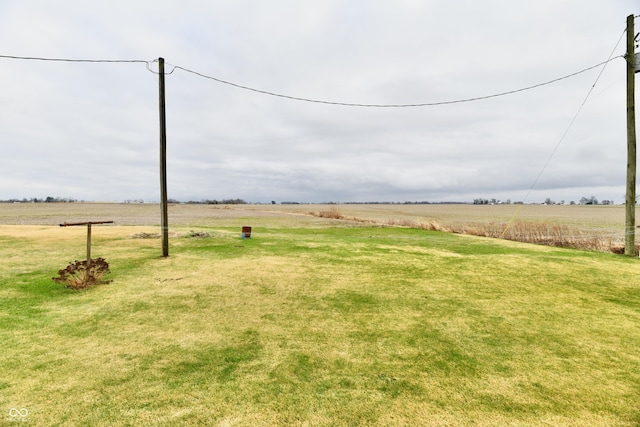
pixel 317 326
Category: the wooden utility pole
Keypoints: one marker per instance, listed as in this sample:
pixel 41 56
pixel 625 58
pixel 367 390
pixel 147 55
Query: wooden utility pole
pixel 630 221
pixel 164 217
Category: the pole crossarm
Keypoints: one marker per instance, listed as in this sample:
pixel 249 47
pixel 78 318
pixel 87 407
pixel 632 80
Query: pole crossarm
pixel 70 224
pixel 88 224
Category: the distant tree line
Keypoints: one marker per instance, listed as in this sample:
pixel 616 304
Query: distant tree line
pixel 593 201
pixel 48 199
pixel 214 202
pixel 478 201
pixel 481 201
pixel 583 201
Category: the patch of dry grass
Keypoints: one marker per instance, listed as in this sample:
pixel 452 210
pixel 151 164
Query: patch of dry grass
pixel 543 233
pixel 540 232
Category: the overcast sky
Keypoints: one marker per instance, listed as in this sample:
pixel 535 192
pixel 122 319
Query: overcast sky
pixel 90 131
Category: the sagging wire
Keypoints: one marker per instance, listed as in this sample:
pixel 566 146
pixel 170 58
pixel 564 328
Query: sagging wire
pixel 38 58
pixel 298 98
pixel 571 123
pixel 423 104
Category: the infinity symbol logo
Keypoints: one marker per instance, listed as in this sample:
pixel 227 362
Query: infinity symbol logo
pixel 22 412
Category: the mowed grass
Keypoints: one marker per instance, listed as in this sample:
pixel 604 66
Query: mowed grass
pixel 323 325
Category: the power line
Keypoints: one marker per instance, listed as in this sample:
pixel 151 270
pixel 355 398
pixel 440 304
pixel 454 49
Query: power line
pixel 566 132
pixel 38 58
pixel 298 98
pixel 573 120
pixel 423 104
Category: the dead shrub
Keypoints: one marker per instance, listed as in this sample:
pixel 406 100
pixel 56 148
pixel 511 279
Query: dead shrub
pixel 151 235
pixel 429 224
pixel 199 234
pixel 79 275
pixel 145 236
pixel 332 213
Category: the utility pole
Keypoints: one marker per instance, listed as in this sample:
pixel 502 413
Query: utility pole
pixel 164 217
pixel 630 221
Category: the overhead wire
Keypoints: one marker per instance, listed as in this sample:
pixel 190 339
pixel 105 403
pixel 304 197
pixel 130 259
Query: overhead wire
pixel 565 133
pixel 311 100
pixel 39 58
pixel 421 104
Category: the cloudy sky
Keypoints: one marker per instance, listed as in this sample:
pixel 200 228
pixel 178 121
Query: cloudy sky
pixel 90 131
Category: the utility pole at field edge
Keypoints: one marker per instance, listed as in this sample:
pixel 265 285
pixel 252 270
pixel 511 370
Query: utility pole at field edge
pixel 164 217
pixel 630 217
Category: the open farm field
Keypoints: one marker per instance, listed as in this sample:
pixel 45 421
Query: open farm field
pixel 607 219
pixel 315 321
pixel 602 227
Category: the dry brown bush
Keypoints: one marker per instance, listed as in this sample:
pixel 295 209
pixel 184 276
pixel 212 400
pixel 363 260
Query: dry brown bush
pixel 199 234
pixel 429 224
pixel 145 236
pixel 333 213
pixel 540 233
pixel 80 274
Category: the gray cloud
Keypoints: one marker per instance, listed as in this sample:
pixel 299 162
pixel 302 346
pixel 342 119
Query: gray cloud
pixel 90 131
